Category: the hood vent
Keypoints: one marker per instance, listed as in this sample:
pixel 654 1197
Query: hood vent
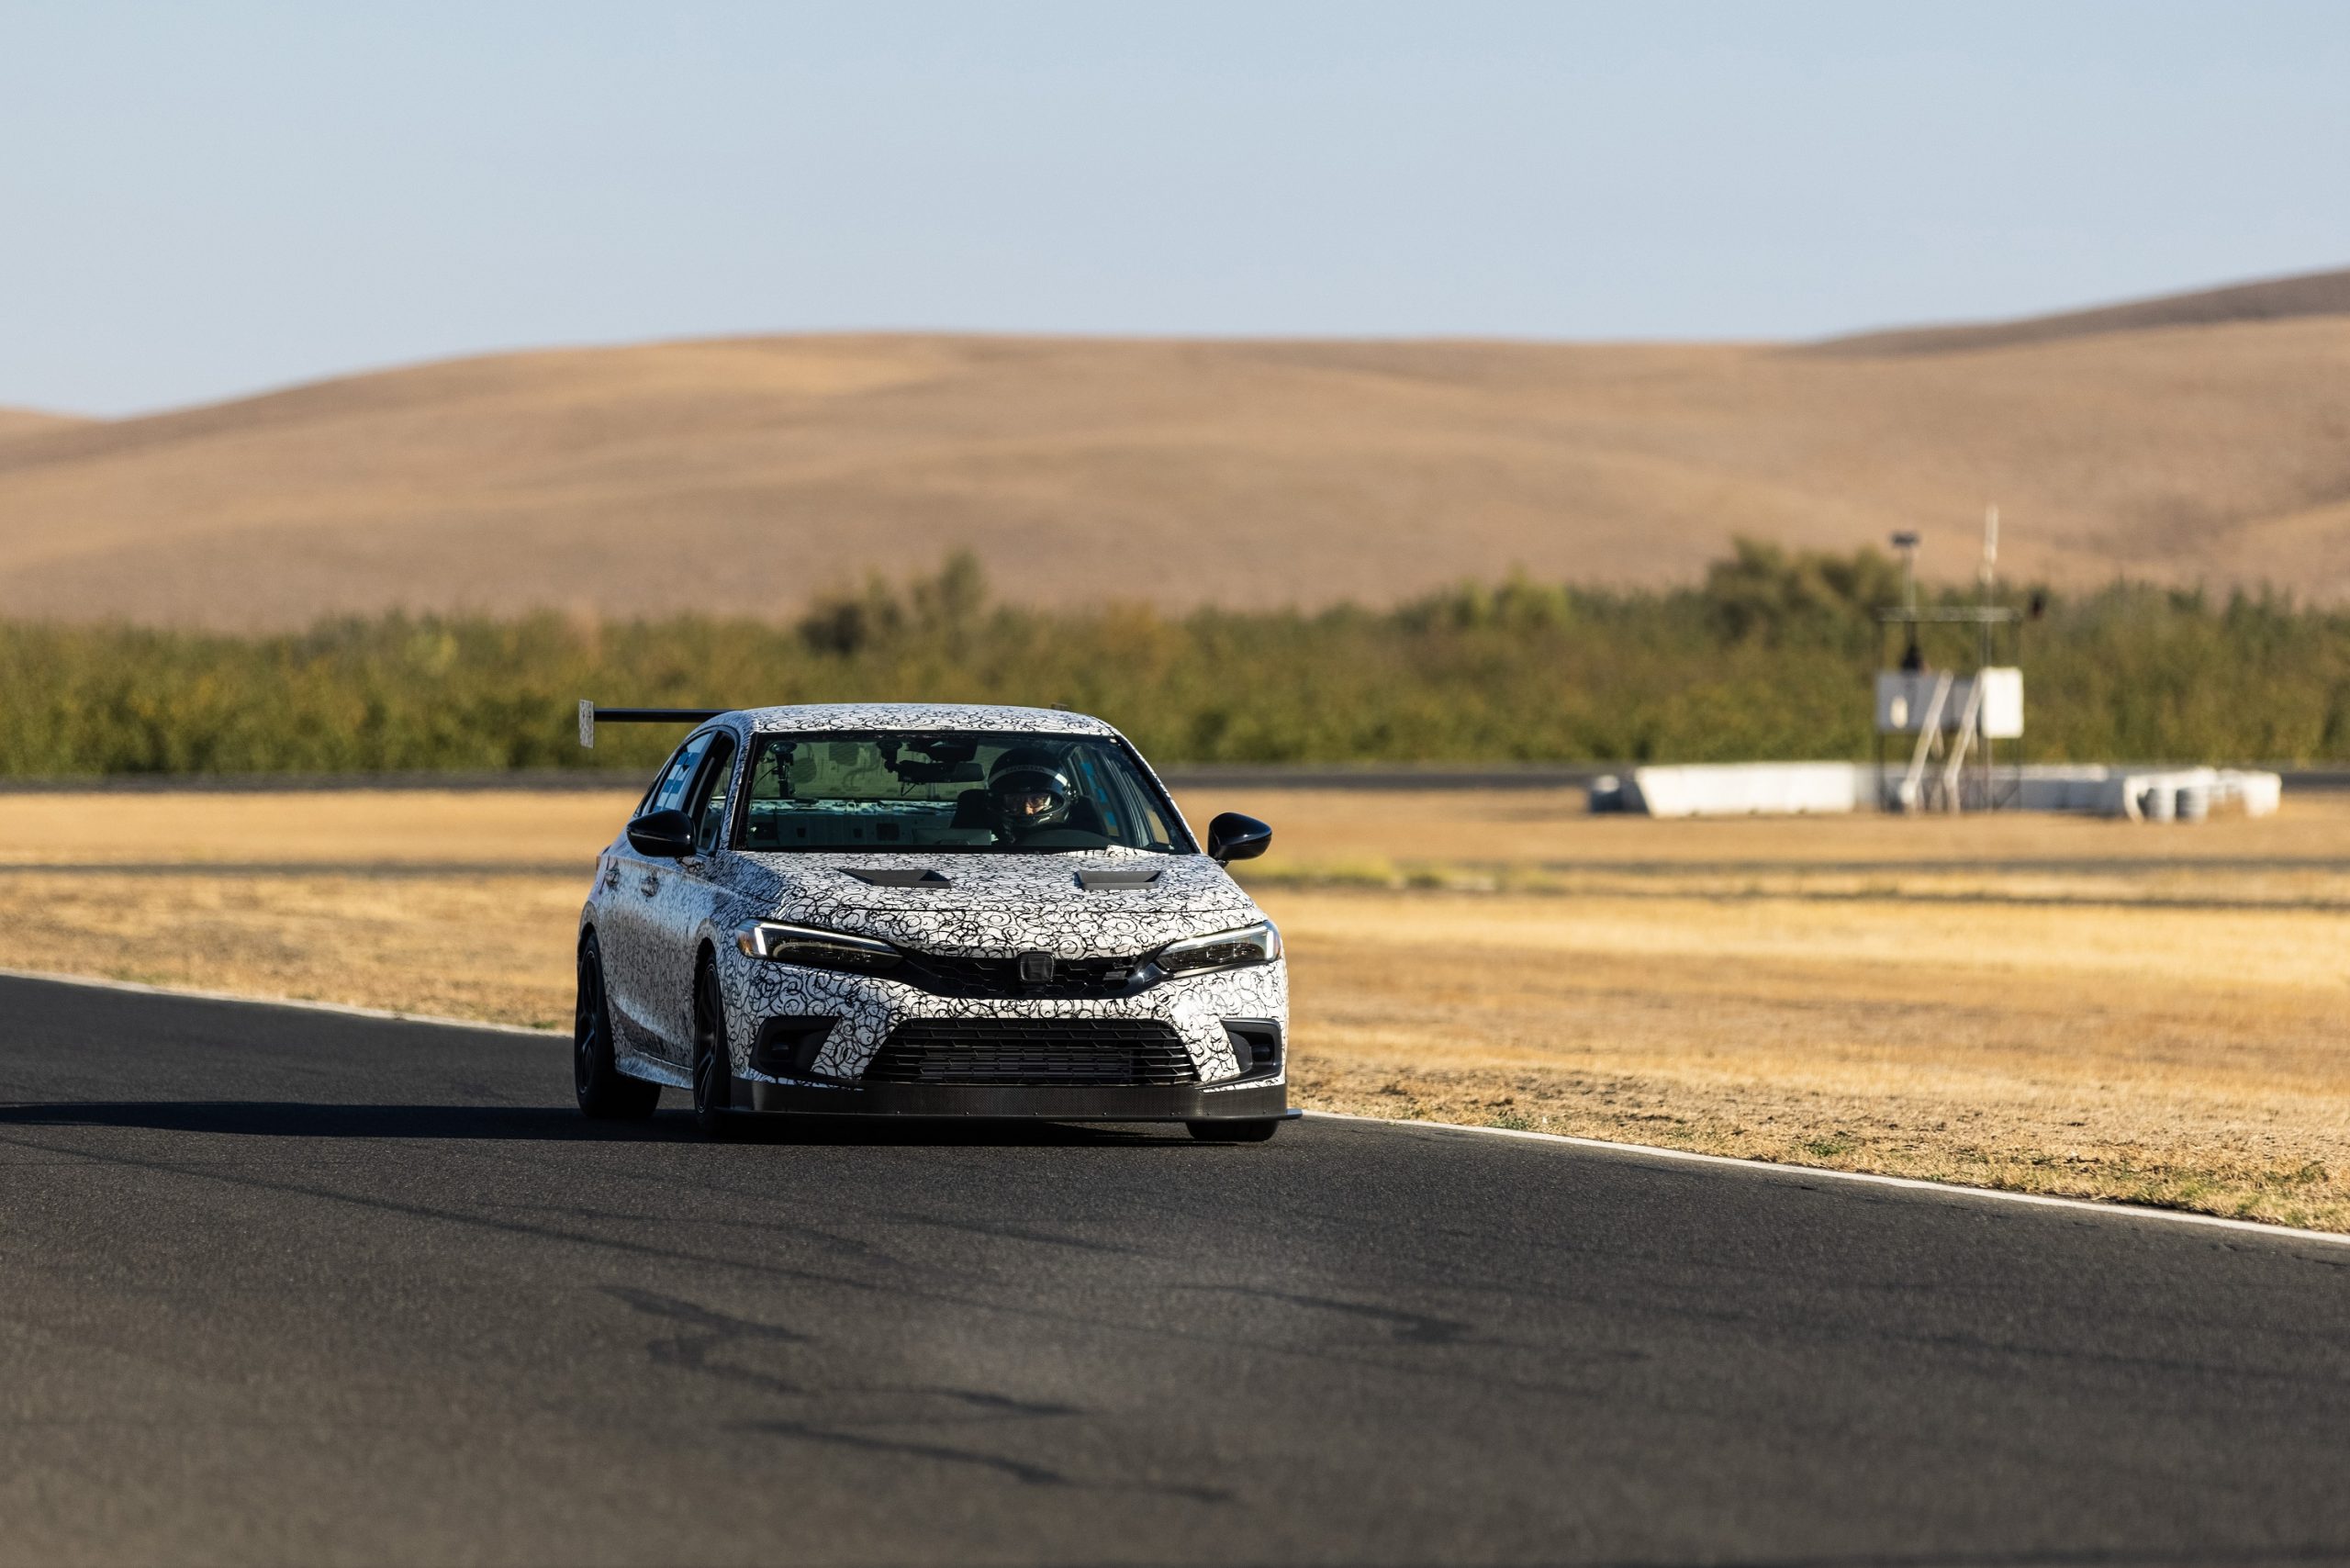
pixel 892 878
pixel 1118 877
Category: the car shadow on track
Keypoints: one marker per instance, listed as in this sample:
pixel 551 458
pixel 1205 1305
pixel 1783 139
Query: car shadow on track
pixel 276 1118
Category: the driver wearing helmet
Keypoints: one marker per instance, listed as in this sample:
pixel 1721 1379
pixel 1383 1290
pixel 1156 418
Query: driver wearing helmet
pixel 1029 791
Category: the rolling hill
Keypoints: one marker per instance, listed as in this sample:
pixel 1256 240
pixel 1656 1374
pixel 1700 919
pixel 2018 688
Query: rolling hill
pixel 26 421
pixel 2273 299
pixel 2176 441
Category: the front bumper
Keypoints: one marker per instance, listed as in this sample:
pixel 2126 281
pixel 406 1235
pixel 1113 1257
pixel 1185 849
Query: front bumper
pixel 1244 1102
pixel 869 1008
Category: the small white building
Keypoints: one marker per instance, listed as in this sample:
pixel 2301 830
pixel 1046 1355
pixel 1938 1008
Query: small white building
pixel 1990 702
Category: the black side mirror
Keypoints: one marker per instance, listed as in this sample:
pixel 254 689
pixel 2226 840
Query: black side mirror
pixel 665 835
pixel 1235 837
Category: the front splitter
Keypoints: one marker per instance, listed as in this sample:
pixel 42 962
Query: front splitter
pixel 1058 1102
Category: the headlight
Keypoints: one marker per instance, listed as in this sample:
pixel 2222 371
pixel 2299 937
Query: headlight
pixel 1258 943
pixel 815 949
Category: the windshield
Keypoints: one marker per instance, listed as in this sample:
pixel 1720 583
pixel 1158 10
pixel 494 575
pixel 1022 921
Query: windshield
pixel 965 792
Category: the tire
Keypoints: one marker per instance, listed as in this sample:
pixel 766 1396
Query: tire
pixel 1235 1131
pixel 713 1064
pixel 605 1091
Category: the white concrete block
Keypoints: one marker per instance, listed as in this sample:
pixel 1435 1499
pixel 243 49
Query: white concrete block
pixel 1745 788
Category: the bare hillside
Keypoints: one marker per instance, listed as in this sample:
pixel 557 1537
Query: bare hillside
pixel 25 421
pixel 741 475
pixel 2275 299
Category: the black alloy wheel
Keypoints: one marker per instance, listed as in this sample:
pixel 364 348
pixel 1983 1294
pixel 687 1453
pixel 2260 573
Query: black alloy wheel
pixel 1235 1131
pixel 605 1091
pixel 714 1066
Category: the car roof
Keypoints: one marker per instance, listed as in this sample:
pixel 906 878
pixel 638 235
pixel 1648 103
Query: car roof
pixel 805 717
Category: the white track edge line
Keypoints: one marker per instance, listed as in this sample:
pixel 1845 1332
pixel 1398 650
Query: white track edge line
pixel 1653 1151
pixel 346 1008
pixel 1906 1183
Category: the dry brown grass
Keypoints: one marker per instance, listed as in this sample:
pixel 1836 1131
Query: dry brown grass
pixel 432 901
pixel 405 828
pixel 2092 1008
pixel 492 946
pixel 2056 1051
pixel 2211 451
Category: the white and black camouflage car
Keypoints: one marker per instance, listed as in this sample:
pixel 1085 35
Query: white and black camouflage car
pixel 899 910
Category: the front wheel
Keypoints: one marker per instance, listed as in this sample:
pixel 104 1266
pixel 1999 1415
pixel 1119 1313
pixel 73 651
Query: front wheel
pixel 713 1063
pixel 1234 1132
pixel 605 1091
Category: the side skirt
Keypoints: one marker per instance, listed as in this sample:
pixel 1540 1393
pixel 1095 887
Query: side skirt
pixel 652 1069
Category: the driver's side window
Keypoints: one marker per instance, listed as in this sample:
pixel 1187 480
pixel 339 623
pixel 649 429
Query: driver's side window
pixel 710 810
pixel 668 794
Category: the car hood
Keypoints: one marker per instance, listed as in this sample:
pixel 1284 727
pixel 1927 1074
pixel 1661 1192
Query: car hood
pixel 1084 903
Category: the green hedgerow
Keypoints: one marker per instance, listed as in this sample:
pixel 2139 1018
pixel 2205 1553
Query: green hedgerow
pixel 1770 657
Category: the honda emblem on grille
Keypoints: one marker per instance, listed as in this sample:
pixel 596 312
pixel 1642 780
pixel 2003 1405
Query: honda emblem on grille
pixel 1035 969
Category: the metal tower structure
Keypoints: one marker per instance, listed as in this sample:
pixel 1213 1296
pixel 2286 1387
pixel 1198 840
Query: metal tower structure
pixel 1952 718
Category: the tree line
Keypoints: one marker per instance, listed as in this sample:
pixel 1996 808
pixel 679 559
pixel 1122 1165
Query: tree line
pixel 1769 656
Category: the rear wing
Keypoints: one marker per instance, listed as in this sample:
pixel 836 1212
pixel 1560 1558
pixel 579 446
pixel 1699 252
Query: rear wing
pixel 589 714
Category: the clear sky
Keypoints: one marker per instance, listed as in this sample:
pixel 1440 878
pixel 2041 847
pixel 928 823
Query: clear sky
pixel 199 200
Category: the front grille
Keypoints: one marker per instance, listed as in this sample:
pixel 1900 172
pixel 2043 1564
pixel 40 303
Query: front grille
pixel 1074 980
pixel 1032 1050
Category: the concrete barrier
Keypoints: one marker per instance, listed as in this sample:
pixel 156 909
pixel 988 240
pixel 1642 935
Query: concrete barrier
pixel 1803 788
pixel 1743 789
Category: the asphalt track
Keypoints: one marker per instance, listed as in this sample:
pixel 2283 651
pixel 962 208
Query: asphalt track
pixel 280 1285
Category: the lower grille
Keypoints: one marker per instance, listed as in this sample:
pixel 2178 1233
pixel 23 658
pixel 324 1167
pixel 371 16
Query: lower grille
pixel 1032 1050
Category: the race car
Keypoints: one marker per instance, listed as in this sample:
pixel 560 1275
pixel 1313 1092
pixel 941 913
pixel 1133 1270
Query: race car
pixel 903 909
